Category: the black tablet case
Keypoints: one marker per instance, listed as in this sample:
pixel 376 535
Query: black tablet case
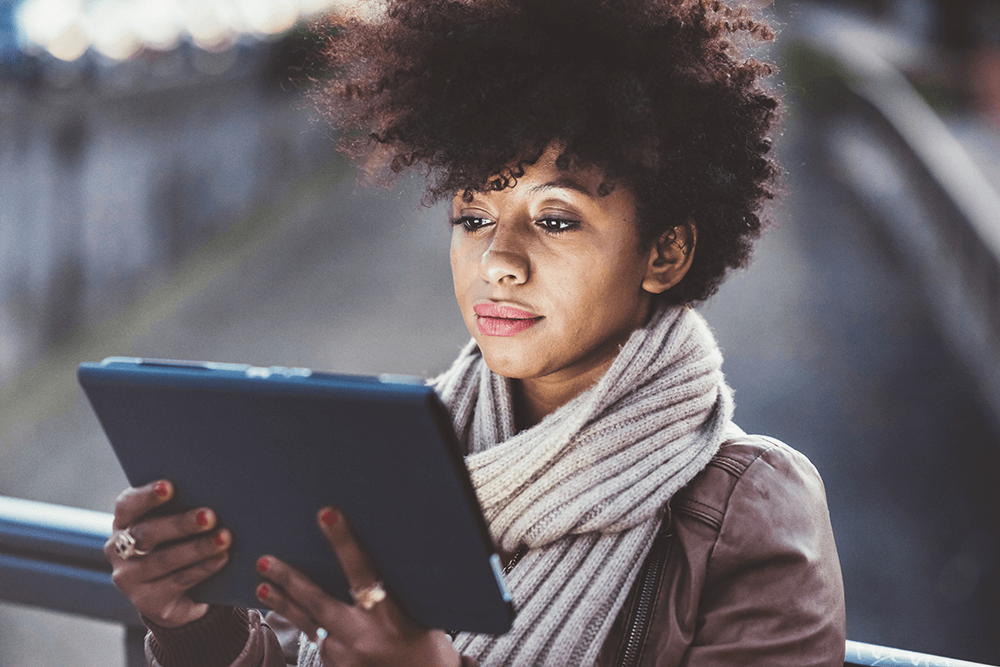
pixel 266 448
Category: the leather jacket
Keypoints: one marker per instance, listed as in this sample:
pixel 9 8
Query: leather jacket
pixel 744 570
pixel 743 573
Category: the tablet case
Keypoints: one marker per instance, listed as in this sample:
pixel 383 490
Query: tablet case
pixel 266 448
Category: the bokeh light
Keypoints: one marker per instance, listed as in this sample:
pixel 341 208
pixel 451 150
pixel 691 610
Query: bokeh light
pixel 110 30
pixel 118 29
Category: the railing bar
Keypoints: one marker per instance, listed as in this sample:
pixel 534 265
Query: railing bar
pixel 64 588
pixel 56 517
pixel 860 654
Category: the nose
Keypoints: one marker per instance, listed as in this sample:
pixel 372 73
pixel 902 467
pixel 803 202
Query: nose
pixel 505 260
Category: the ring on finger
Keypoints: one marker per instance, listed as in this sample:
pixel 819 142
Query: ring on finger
pixel 369 596
pixel 321 635
pixel 124 546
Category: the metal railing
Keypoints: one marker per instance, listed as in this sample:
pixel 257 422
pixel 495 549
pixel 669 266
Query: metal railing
pixel 869 655
pixel 53 557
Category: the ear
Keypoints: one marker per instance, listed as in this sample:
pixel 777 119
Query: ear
pixel 670 258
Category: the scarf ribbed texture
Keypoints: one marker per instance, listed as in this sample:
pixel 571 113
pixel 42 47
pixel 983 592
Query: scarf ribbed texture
pixel 584 489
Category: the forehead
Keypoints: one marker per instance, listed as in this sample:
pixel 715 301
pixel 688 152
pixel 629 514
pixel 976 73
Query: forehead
pixel 546 177
pixel 546 174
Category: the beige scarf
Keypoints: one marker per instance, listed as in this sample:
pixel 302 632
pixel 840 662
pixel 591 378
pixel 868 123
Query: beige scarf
pixel 585 488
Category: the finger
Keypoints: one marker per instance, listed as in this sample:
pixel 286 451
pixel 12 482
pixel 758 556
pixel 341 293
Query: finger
pixel 354 560
pixel 165 600
pixel 184 579
pixel 330 647
pixel 332 650
pixel 134 502
pixel 298 589
pixel 276 599
pixel 358 567
pixel 173 563
pixel 152 532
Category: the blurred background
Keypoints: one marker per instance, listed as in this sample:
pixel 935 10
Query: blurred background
pixel 166 192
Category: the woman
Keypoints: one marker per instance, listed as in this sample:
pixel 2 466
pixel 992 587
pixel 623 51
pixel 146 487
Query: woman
pixel 607 161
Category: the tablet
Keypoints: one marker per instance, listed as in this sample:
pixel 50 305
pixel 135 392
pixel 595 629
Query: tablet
pixel 266 448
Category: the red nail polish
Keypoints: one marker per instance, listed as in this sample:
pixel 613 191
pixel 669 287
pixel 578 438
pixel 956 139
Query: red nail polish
pixel 202 518
pixel 329 517
pixel 220 539
pixel 161 489
pixel 263 564
pixel 263 591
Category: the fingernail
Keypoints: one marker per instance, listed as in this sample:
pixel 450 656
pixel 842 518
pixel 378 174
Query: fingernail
pixel 329 517
pixel 263 564
pixel 222 538
pixel 202 518
pixel 161 489
pixel 263 591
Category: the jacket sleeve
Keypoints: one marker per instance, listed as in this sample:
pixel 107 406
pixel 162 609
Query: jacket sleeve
pixel 269 641
pixel 773 591
pixel 225 637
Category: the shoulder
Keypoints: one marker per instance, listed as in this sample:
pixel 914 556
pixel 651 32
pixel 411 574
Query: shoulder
pixel 769 500
pixel 757 514
pixel 748 467
pixel 756 530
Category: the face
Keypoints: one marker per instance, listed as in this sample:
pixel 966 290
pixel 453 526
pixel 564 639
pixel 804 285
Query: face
pixel 549 275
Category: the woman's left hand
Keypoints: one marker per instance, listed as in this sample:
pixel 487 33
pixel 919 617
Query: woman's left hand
pixel 380 635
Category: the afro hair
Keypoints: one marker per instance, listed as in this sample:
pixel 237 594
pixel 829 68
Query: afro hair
pixel 657 94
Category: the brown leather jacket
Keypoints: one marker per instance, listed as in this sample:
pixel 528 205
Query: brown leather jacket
pixel 744 572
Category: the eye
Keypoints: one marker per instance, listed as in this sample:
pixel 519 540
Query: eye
pixel 557 225
pixel 471 223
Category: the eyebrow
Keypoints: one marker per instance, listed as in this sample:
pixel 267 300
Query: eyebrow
pixel 563 183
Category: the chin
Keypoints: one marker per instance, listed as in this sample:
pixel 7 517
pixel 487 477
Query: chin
pixel 507 370
pixel 506 365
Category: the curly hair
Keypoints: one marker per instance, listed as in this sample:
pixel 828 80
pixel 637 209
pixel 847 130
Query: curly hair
pixel 654 93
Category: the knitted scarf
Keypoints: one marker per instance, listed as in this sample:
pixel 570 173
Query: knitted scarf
pixel 584 489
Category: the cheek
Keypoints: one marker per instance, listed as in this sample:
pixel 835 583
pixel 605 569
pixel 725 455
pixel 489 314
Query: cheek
pixel 619 295
pixel 465 255
pixel 457 262
pixel 464 270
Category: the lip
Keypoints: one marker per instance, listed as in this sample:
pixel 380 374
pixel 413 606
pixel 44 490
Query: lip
pixel 490 309
pixel 493 319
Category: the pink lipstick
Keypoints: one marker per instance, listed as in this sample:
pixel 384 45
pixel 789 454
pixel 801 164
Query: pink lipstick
pixel 496 320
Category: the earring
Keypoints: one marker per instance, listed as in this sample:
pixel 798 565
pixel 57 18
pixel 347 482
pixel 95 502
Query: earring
pixel 676 242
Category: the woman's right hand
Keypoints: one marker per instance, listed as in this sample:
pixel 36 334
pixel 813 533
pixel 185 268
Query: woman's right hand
pixel 184 549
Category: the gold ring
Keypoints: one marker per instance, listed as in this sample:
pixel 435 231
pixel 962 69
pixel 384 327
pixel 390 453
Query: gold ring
pixel 124 546
pixel 369 596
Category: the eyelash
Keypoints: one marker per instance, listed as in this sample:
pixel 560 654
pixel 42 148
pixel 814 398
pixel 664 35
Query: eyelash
pixel 473 223
pixel 563 225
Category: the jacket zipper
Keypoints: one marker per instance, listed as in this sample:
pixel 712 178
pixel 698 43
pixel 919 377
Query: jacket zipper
pixel 515 559
pixel 649 583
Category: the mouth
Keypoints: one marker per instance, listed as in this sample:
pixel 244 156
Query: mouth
pixel 495 320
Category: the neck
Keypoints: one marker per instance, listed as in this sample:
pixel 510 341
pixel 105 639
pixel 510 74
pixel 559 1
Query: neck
pixel 537 398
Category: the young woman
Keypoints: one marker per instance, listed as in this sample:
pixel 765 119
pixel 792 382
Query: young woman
pixel 607 161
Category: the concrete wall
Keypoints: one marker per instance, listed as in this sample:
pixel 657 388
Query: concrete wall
pixel 110 174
